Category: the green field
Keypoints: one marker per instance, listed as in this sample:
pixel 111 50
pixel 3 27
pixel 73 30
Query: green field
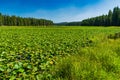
pixel 59 53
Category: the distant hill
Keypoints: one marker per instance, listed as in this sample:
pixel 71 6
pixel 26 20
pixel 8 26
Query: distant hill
pixel 61 23
pixel 68 24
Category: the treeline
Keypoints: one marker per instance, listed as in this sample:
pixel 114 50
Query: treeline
pixel 6 20
pixel 111 19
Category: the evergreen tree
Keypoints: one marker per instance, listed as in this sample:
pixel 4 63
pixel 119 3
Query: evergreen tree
pixel 109 18
pixel 115 16
pixel 0 19
pixel 20 21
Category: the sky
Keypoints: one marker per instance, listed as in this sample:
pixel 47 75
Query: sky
pixel 58 10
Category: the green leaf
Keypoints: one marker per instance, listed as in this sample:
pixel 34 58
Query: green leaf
pixel 1 69
pixel 35 68
pixel 29 66
pixel 12 78
pixel 21 70
pixel 14 72
pixel 16 66
pixel 2 60
pixel 39 76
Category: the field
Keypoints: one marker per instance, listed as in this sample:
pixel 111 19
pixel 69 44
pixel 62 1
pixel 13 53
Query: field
pixel 59 53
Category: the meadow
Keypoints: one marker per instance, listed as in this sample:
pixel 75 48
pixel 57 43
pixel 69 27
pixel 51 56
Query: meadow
pixel 59 53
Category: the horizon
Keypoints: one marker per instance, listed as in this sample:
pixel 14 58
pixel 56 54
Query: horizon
pixel 58 11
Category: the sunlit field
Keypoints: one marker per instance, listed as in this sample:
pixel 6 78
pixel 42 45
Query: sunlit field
pixel 59 53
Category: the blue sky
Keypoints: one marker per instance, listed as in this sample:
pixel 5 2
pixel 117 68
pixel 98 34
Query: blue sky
pixel 57 10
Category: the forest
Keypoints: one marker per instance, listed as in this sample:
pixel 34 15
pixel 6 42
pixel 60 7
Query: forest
pixel 110 19
pixel 6 20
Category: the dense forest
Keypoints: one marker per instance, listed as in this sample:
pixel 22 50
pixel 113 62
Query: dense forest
pixel 6 20
pixel 110 19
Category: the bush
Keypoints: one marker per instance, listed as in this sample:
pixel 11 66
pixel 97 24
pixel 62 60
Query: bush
pixel 114 36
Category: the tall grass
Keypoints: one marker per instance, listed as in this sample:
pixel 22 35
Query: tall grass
pixel 100 62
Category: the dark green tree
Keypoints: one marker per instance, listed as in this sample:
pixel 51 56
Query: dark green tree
pixel 115 16
pixel 0 19
pixel 20 21
pixel 109 18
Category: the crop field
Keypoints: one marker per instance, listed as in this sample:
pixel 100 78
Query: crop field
pixel 60 53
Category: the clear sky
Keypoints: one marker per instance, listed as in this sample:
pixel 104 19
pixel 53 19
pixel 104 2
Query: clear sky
pixel 58 10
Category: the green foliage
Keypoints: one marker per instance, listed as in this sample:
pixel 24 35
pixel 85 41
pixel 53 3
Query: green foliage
pixel 0 19
pixel 6 20
pixel 114 36
pixel 32 53
pixel 91 63
pixel 111 19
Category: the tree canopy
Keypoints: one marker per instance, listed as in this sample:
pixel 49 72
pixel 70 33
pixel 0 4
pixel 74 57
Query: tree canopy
pixel 6 20
pixel 110 19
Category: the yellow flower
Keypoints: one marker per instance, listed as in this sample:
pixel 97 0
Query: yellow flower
pixel 51 62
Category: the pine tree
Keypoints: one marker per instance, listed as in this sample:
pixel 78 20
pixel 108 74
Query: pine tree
pixel 109 18
pixel 0 19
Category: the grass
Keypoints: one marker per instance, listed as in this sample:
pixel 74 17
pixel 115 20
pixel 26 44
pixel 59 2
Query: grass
pixel 91 63
pixel 59 53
